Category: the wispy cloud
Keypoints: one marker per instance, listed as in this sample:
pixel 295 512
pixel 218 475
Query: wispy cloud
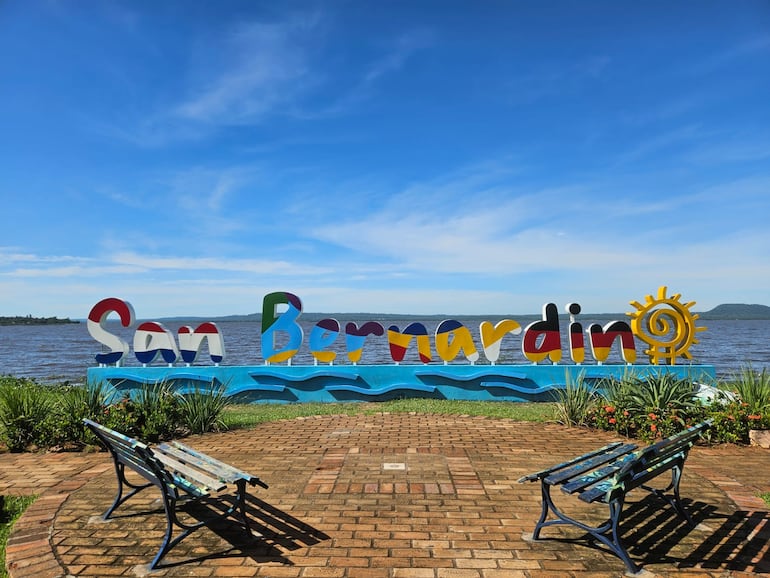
pixel 729 56
pixel 397 53
pixel 662 141
pixel 260 68
pixel 207 264
pixel 392 55
pixel 556 80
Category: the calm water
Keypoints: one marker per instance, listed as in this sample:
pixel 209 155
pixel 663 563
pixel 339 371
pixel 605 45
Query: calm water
pixel 64 352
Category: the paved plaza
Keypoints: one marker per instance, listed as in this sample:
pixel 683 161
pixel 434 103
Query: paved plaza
pixel 389 496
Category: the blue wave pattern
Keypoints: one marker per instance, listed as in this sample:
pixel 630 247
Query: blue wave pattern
pixel 288 384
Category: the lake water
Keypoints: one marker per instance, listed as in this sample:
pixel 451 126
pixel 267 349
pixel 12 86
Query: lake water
pixel 64 352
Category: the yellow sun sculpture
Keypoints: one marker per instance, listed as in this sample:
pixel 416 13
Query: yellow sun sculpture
pixel 666 325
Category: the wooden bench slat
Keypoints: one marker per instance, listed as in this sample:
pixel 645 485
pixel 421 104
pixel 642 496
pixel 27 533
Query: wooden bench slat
pixel 212 466
pixel 589 464
pixel 232 471
pixel 581 483
pixel 546 472
pixel 203 481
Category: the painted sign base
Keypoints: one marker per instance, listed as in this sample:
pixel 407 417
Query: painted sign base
pixel 337 383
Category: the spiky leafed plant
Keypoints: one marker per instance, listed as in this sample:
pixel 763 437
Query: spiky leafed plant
pixel 753 389
pixel 660 393
pixel 201 409
pixel 575 401
pixel 24 407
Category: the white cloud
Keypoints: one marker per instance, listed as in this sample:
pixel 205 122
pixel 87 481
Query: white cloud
pixel 259 68
pixel 211 264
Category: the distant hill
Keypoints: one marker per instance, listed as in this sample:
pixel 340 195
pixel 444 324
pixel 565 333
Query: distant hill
pixel 737 311
pixel 726 311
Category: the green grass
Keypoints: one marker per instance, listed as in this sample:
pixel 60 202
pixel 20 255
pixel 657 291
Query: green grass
pixel 13 507
pixel 247 415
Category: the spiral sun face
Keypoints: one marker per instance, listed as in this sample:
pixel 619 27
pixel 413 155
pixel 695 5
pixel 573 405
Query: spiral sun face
pixel 665 324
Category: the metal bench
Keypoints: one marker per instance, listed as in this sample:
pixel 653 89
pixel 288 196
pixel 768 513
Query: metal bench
pixel 607 474
pixel 181 473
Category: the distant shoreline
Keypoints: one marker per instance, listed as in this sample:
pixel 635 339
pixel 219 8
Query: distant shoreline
pixel 725 312
pixel 29 320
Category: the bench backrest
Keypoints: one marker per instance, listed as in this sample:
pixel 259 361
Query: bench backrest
pixel 133 454
pixel 633 469
pixel 648 462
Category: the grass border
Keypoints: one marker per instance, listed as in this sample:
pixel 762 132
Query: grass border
pixel 11 509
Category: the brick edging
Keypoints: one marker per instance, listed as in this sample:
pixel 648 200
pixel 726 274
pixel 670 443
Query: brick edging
pixel 29 552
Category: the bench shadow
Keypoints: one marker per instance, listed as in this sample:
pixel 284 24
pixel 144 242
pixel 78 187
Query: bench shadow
pixel 273 532
pixel 654 534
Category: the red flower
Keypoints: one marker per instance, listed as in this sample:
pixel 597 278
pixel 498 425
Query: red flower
pixel 653 428
pixel 652 416
pixel 612 420
pixel 609 409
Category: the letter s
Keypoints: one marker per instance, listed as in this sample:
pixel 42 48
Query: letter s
pixel 96 318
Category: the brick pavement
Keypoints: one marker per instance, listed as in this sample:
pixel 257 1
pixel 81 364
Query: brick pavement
pixel 388 496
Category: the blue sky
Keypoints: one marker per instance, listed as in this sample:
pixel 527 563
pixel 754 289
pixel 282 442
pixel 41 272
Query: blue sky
pixel 407 157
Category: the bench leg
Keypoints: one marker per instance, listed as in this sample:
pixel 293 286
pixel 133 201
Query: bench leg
pixel 240 504
pixel 237 511
pixel 120 472
pixel 674 500
pixel 606 533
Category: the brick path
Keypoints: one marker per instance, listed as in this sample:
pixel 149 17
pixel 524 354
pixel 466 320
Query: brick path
pixel 388 496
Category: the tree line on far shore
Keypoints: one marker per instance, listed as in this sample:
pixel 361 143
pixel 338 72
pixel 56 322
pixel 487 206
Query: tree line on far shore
pixel 29 320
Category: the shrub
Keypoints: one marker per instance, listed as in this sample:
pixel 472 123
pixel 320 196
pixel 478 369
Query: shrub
pixel 753 389
pixel 155 412
pixel 661 393
pixel 78 402
pixel 648 408
pixel 25 413
pixel 734 419
pixel 575 402
pixel 201 410
pixel 612 417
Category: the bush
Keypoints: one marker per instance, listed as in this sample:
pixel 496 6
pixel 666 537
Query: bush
pixel 575 402
pixel 753 389
pixel 46 417
pixel 77 403
pixel 156 411
pixel 201 410
pixel 25 413
pixel 648 408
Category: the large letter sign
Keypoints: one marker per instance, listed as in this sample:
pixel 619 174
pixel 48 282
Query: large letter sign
pixel 191 340
pixel 98 316
pixel 548 331
pixel 664 323
pixel 151 339
pixel 602 339
pixel 326 374
pixel 399 342
pixel 492 336
pixel 323 335
pixel 355 337
pixel 452 337
pixel 286 322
